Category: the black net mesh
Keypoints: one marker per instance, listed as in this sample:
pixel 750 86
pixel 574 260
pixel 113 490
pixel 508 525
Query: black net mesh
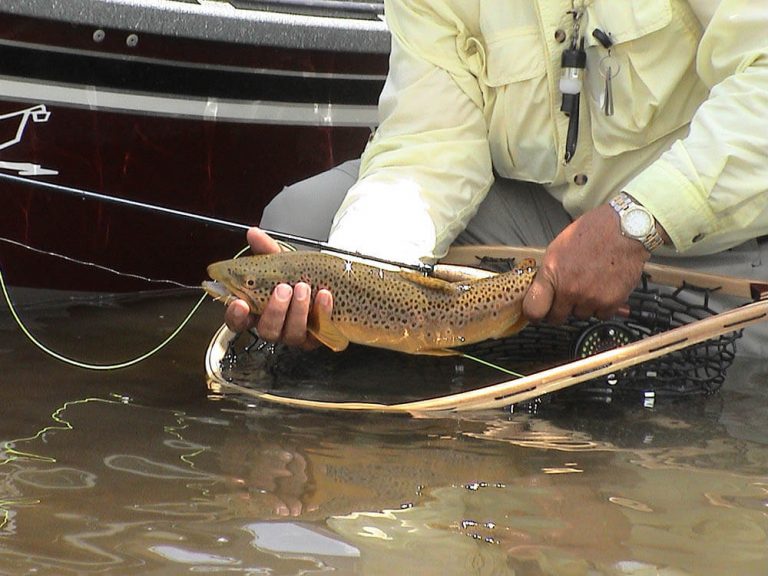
pixel 698 369
pixel 369 374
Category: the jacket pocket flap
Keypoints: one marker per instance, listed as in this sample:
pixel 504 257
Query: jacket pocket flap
pixel 514 57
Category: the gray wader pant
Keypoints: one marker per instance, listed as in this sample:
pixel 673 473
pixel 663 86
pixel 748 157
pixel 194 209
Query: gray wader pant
pixel 514 213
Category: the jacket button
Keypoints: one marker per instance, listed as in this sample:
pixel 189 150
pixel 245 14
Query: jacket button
pixel 580 179
pixel 560 35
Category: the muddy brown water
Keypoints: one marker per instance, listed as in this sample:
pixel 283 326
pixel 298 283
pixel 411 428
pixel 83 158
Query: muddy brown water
pixel 141 471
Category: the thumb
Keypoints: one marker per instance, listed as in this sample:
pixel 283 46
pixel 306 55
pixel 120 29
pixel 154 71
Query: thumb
pixel 260 242
pixel 538 300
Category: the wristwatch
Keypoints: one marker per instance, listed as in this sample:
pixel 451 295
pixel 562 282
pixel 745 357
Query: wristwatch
pixel 636 221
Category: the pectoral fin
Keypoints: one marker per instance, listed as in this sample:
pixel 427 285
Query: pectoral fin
pixel 514 328
pixel 322 328
pixel 438 352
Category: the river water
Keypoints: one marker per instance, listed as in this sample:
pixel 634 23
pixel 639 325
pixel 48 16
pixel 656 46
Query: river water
pixel 142 471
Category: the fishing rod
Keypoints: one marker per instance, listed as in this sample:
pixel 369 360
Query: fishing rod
pixel 282 236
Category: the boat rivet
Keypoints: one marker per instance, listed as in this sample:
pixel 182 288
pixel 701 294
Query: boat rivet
pixel 99 35
pixel 132 40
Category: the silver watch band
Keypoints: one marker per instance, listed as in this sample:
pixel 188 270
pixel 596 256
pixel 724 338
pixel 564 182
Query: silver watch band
pixel 623 204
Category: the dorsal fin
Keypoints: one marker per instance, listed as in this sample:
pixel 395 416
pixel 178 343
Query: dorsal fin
pixel 428 281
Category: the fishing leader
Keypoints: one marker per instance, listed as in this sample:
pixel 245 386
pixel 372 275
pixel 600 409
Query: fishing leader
pixel 612 132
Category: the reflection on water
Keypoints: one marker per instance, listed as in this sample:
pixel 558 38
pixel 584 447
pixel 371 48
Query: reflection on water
pixel 140 472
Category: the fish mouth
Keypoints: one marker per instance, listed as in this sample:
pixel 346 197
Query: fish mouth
pixel 221 287
pixel 219 291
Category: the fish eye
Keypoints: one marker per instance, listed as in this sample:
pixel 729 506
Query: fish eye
pixel 250 282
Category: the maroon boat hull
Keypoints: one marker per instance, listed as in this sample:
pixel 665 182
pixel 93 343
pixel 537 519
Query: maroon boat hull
pixel 198 125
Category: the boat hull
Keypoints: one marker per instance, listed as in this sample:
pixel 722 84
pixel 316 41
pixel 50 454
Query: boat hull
pixel 208 125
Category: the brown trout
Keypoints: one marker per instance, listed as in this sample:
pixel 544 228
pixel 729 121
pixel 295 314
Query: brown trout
pixel 399 310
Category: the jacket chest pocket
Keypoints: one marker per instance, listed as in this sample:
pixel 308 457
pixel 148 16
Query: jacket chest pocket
pixel 653 78
pixel 514 79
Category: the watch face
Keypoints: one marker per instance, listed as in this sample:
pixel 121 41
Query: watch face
pixel 637 223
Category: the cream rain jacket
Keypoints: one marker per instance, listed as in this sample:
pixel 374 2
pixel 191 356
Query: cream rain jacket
pixel 473 88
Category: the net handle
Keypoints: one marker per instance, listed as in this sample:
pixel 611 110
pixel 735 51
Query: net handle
pixel 674 276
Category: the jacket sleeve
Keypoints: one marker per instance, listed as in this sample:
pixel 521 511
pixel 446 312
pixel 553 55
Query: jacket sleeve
pixel 428 166
pixel 710 190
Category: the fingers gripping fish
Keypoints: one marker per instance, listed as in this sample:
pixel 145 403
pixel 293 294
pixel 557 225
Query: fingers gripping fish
pixel 398 310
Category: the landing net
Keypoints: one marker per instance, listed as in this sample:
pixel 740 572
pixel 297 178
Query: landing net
pixel 373 375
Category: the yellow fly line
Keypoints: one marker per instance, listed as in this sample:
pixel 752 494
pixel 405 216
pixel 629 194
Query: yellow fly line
pixel 91 365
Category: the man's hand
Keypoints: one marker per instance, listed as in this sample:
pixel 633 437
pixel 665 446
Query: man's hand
pixel 285 317
pixel 590 269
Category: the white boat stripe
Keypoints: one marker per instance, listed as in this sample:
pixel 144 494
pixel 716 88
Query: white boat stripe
pixel 255 112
